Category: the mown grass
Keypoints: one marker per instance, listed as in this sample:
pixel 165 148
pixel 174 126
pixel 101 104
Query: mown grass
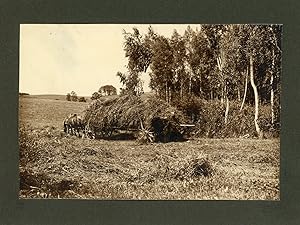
pixel 54 165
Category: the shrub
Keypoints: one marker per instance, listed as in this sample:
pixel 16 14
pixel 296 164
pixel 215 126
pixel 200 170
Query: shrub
pixel 81 99
pixel 208 116
pixel 68 97
pixel 95 95
pixel 190 106
pixel 74 97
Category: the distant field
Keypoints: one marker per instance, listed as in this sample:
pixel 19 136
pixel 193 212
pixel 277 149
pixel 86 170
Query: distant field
pixel 41 111
pixel 54 165
pixel 55 97
pixel 63 97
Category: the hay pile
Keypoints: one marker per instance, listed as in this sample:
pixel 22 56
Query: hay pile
pixel 154 118
pixel 168 167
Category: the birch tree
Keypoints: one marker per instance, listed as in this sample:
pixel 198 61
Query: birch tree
pixel 139 59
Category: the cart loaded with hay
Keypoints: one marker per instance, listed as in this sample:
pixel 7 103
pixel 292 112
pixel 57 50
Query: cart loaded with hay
pixel 153 119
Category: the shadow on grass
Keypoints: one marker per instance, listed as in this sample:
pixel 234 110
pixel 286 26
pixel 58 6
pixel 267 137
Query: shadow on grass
pixel 120 137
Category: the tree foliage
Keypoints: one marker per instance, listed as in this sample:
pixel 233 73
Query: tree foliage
pixel 139 58
pixel 96 95
pixel 74 97
pixel 132 83
pixel 107 90
pixel 82 99
pixel 68 97
pixel 211 62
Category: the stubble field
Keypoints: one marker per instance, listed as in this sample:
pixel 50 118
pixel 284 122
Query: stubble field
pixel 55 165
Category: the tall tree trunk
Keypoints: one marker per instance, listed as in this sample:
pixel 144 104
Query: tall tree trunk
pixel 272 89
pixel 181 89
pixel 255 96
pixel 227 109
pixel 222 96
pixel 220 66
pixel 166 91
pixel 190 85
pixel 245 92
pixel 227 104
pixel 170 94
pixel 238 94
pixel 200 89
pixel 272 100
pixel 211 95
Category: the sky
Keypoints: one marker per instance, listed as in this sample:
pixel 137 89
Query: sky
pixel 60 58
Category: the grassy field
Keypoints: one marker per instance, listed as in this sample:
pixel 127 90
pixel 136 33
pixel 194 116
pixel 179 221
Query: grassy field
pixel 55 97
pixel 41 111
pixel 53 165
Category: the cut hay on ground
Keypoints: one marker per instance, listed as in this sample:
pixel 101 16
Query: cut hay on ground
pixel 154 118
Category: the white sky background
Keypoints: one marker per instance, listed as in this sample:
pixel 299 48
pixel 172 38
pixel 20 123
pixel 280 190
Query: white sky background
pixel 60 58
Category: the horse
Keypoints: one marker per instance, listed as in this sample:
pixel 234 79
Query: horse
pixel 73 123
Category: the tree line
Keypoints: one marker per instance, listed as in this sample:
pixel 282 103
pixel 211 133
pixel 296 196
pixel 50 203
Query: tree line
pixel 228 63
pixel 74 98
pixel 105 90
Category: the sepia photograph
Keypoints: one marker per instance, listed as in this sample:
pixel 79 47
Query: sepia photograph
pixel 150 111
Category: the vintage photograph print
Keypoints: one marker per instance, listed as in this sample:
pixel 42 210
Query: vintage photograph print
pixel 150 111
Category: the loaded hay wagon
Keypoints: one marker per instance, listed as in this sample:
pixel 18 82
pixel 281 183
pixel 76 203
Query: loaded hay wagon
pixel 153 119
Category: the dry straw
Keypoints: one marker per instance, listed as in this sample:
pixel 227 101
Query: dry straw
pixel 154 118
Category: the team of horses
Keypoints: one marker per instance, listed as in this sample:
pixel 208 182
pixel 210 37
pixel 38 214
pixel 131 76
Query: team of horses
pixel 75 125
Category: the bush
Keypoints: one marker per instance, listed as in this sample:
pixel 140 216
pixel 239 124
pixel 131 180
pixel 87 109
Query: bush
pixel 68 97
pixel 96 95
pixel 81 99
pixel 208 116
pixel 190 106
